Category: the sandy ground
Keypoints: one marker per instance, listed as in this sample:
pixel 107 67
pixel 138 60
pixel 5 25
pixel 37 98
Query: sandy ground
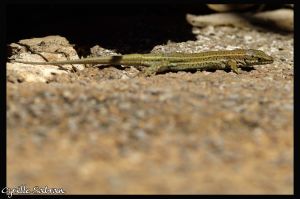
pixel 109 130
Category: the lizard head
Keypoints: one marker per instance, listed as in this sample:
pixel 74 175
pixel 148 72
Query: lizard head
pixel 257 57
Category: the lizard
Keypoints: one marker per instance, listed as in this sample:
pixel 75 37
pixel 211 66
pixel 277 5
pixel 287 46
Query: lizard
pixel 161 62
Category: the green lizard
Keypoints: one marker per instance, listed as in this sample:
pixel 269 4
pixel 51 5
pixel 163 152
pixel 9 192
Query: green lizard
pixel 156 63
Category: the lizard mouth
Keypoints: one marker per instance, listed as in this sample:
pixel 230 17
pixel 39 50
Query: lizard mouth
pixel 266 60
pixel 261 61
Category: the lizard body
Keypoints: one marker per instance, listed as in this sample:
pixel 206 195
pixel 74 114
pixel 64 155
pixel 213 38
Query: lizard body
pixel 224 59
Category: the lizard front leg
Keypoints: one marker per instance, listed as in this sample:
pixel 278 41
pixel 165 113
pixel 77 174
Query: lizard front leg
pixel 233 66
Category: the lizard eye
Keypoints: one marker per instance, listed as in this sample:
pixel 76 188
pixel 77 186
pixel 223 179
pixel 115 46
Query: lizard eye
pixel 259 59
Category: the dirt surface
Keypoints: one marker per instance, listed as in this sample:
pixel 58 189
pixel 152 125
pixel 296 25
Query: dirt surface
pixel 108 130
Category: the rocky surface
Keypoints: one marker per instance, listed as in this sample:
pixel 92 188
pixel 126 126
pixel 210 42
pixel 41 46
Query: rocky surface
pixel 51 48
pixel 109 130
pixel 280 19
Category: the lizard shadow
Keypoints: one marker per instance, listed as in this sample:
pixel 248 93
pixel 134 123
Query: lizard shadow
pixel 102 66
pixel 245 68
pixel 120 67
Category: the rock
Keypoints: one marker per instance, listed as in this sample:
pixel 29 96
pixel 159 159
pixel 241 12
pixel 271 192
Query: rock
pixel 51 48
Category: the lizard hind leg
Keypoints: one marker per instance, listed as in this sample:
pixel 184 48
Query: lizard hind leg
pixel 155 67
